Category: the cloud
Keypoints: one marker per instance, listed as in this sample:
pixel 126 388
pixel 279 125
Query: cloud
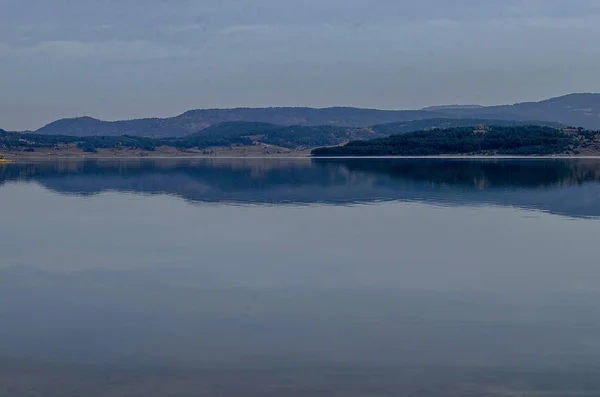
pixel 98 50
pixel 206 53
pixel 243 29
pixel 25 28
pixel 185 28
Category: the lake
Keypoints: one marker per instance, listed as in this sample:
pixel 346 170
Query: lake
pixel 293 277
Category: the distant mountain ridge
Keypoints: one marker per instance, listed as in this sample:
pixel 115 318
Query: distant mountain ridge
pixel 580 110
pixel 452 107
pixel 196 120
pixel 577 110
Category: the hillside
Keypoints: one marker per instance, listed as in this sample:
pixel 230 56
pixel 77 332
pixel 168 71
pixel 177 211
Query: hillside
pixel 421 137
pixel 452 107
pixel 580 110
pixel 284 136
pixel 491 140
pixel 442 123
pixel 221 135
pixel 195 120
pixel 238 133
pixel 87 126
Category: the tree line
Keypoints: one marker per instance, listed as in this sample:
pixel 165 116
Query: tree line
pixel 513 140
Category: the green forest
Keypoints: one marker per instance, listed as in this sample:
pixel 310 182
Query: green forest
pixel 494 140
pixel 221 135
pixel 484 140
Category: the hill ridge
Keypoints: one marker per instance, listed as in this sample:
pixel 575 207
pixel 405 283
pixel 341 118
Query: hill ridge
pixel 577 109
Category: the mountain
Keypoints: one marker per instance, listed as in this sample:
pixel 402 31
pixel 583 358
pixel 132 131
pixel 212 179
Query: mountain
pixel 195 120
pixel 237 133
pixel 443 123
pixel 484 140
pixel 451 107
pixel 231 128
pixel 268 130
pixel 241 133
pixel 87 126
pixel 579 110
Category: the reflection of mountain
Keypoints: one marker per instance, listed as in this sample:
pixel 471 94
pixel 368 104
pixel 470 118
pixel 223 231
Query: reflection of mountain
pixel 568 187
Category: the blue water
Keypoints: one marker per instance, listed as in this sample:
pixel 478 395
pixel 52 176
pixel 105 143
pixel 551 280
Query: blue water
pixel 216 265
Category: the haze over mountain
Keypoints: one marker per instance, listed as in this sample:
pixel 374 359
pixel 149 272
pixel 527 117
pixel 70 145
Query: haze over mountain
pixel 579 110
pixel 117 60
pixel 195 120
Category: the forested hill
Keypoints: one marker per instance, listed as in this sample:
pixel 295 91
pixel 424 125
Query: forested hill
pixel 579 110
pixel 195 120
pixel 222 135
pixel 513 139
pixel 233 133
pixel 575 110
pixel 483 140
pixel 441 123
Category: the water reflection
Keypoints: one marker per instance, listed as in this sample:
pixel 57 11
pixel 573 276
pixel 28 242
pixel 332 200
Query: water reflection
pixel 561 186
pixel 136 292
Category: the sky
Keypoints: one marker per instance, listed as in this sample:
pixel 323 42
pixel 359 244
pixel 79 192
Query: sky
pixel 123 59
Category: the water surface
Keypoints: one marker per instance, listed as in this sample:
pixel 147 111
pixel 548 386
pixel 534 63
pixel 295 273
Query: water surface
pixel 287 277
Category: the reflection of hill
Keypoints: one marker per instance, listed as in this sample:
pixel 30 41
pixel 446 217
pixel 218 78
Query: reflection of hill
pixel 568 187
pixel 485 173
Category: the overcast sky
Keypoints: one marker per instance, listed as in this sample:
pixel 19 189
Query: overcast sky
pixel 119 59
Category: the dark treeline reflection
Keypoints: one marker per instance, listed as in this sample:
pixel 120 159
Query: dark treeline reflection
pixel 562 186
pixel 483 174
pixel 124 295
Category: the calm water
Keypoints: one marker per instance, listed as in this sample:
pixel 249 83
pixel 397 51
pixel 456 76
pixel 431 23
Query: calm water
pixel 300 277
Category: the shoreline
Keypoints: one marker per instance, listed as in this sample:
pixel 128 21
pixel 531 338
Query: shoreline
pixel 11 159
pixel 160 153
pixel 243 152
